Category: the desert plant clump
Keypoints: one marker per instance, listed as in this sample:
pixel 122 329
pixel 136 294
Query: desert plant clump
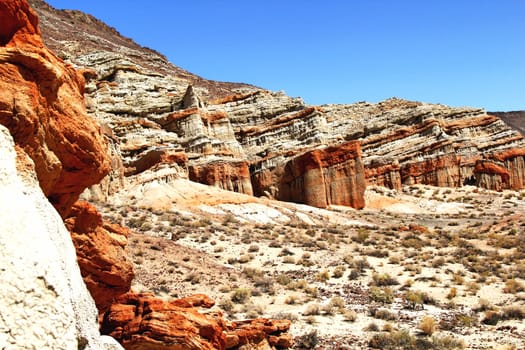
pixel 512 286
pixel 381 295
pixel 349 315
pixel 382 314
pixel 401 339
pixel 427 325
pixel 312 309
pixel 307 341
pixel 240 295
pixel 322 276
pixel 383 279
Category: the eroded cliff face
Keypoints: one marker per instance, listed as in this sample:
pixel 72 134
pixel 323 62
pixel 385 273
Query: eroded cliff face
pixel 50 151
pixel 224 131
pixel 41 103
pixel 44 302
pixel 320 178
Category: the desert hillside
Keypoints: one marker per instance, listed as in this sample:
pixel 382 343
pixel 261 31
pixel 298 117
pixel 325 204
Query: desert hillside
pixel 184 213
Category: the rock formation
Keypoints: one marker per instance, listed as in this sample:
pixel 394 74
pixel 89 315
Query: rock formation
pixel 333 175
pixel 45 133
pixel 45 303
pixel 41 103
pixel 100 253
pixel 231 176
pixel 515 119
pixel 143 321
pixel 241 138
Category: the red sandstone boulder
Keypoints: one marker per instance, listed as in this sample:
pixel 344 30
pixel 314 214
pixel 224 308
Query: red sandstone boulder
pixel 262 331
pixel 143 321
pixel 42 105
pixel 100 252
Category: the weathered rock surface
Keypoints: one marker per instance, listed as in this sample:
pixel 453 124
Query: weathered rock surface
pixel 143 321
pixel 402 142
pixel 100 252
pixel 231 176
pixel 44 302
pixel 41 103
pixel 333 175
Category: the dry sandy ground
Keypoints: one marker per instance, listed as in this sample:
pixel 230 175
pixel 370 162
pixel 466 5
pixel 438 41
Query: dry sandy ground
pixel 456 255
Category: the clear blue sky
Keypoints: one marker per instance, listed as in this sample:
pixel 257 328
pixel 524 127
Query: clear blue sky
pixel 456 52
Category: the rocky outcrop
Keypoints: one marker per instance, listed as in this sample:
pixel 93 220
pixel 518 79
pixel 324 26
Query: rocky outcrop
pixel 515 119
pixel 261 332
pixel 44 302
pixel 151 109
pixel 231 176
pixel 320 178
pixel 143 321
pixel 59 152
pixel 41 103
pixel 100 252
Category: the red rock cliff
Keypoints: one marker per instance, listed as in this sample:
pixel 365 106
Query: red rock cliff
pixel 42 105
pixel 100 252
pixel 231 176
pixel 333 175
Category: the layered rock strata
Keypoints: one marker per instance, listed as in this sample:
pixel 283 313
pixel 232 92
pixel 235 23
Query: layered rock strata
pixel 143 321
pixel 320 178
pixel 402 142
pixel 46 302
pixel 59 152
pixel 41 103
pixel 100 245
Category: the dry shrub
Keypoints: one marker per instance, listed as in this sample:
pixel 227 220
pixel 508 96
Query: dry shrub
pixel 427 325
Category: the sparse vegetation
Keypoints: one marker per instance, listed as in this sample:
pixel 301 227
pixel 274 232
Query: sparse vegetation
pixel 325 272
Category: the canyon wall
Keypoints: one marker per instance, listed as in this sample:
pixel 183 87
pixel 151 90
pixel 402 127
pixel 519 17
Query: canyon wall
pixel 50 152
pixel 56 285
pixel 153 107
pixel 320 178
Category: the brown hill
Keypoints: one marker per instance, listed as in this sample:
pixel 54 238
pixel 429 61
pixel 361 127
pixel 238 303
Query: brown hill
pixel 515 119
pixel 72 34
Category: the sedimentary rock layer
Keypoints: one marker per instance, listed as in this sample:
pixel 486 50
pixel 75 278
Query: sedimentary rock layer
pixel 403 142
pixel 41 103
pixel 143 321
pixel 332 175
pixel 100 245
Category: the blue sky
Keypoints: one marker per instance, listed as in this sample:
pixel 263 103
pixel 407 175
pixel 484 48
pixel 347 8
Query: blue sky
pixel 459 53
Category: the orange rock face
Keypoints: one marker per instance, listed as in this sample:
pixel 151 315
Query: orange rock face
pixel 333 175
pixel 155 157
pixel 265 331
pixel 442 171
pixel 100 252
pixel 491 175
pixel 41 103
pixel 231 176
pixel 143 321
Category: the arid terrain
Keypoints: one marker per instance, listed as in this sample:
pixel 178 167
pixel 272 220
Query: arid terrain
pixel 454 256
pixel 144 207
